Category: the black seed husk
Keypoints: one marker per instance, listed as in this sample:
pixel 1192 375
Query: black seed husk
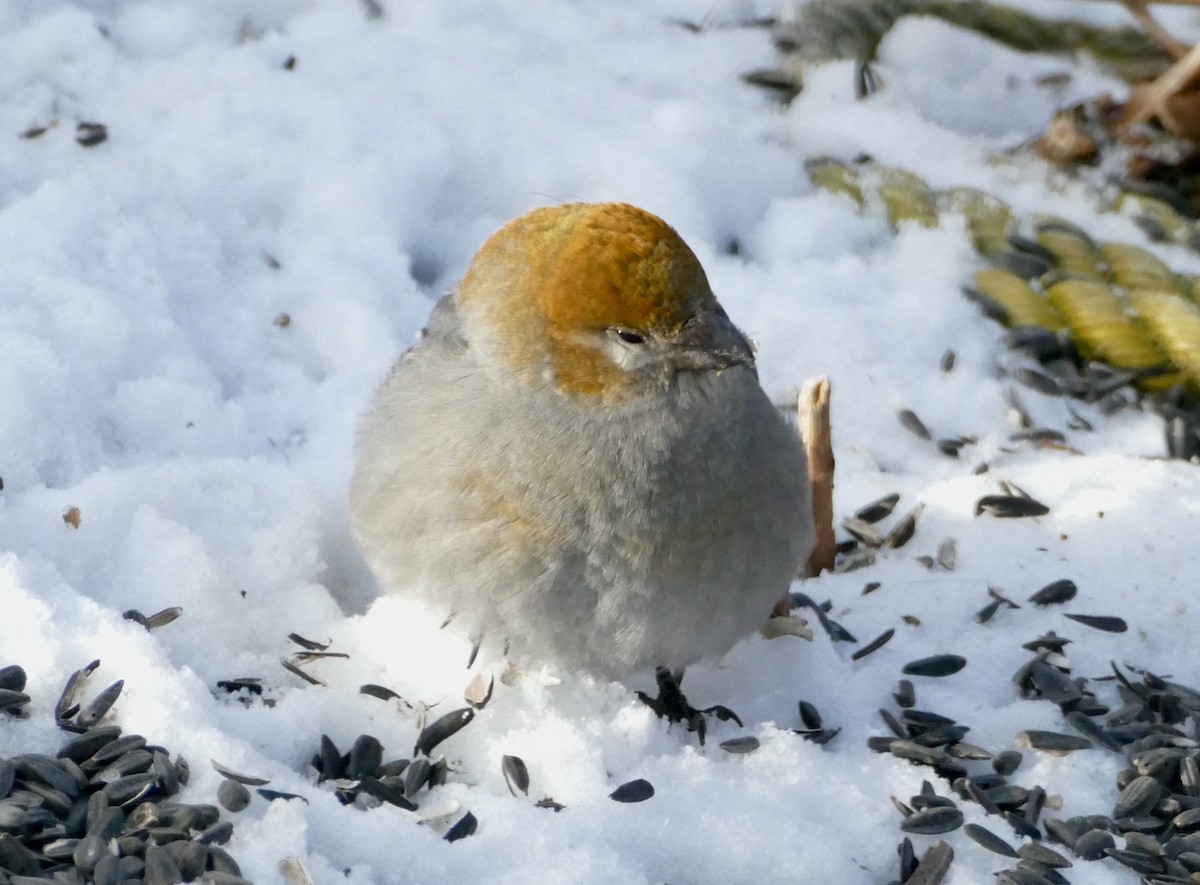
pixel 441 729
pixel 989 840
pixel 638 790
pixel 740 745
pixel 230 774
pixel 931 821
pixel 1054 593
pixel 516 774
pixel 1051 741
pixel 874 645
pixel 935 862
pixel 913 424
pixel 1010 506
pixel 233 795
pixel 935 665
pixel 1100 622
pixel 878 509
pixel 465 826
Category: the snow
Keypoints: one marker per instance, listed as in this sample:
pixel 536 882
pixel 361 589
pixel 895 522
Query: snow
pixel 151 380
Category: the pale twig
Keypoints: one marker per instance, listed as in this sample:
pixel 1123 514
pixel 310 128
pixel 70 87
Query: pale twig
pixel 1137 8
pixel 1173 81
pixel 815 427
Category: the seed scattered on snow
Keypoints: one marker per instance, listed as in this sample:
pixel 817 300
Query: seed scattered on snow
pixel 1105 623
pixel 951 446
pixel 836 631
pixel 99 705
pixel 904 530
pixel 441 729
pixel 964 750
pixel 913 424
pixel 309 644
pixel 1138 798
pixel 1006 763
pixel 232 775
pixel 156 620
pixel 931 821
pixel 379 691
pixel 904 695
pixel 1042 436
pixel 103 793
pixel 466 826
pixel 863 532
pixel 1050 641
pixel 874 645
pixel 878 509
pixel 1136 861
pixel 296 671
pixel 1038 381
pixel 989 840
pixel 294 872
pixel 308 657
pixel 250 684
pixel 1187 821
pixel 633 791
pixel 516 775
pixel 1010 506
pixel 1093 732
pixel 91 134
pixel 13 677
pixel 1051 741
pixel 935 665
pixel 947 554
pixel 740 745
pixel 985 614
pixel 366 755
pixel 809 715
pixel 14 702
pixel 233 795
pixel 479 690
pixel 1055 592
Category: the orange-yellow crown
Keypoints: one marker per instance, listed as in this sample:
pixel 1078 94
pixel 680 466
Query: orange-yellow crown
pixel 580 267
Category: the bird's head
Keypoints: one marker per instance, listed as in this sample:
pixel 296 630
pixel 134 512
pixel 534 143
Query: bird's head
pixel 602 301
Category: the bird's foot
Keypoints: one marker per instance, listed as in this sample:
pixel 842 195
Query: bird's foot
pixel 672 705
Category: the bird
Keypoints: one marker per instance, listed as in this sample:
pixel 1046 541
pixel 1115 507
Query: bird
pixel 577 460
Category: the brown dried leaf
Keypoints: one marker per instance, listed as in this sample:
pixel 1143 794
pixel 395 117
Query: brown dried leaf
pixel 1065 143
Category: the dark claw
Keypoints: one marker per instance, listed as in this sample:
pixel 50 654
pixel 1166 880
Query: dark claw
pixel 672 705
pixel 723 713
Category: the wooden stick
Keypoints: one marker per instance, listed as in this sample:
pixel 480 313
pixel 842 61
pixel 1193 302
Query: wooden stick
pixel 812 419
pixel 813 414
pixel 1137 8
pixel 1152 99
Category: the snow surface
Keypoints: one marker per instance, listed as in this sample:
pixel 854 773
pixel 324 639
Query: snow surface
pixel 149 380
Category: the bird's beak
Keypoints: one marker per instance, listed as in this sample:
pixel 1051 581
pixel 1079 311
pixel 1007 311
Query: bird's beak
pixel 709 341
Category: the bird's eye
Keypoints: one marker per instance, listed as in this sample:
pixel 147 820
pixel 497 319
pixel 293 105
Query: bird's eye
pixel 630 337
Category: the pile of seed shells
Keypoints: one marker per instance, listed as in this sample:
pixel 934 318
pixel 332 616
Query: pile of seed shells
pixel 100 810
pixel 1105 323
pixel 361 778
pixel 1153 827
